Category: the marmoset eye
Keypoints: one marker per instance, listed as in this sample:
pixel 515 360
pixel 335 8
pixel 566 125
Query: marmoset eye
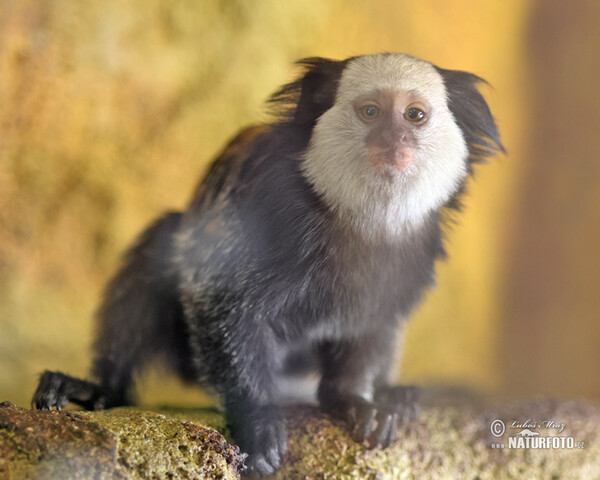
pixel 369 112
pixel 414 115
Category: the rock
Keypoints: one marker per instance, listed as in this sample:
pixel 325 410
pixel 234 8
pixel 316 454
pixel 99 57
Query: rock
pixel 123 443
pixel 453 439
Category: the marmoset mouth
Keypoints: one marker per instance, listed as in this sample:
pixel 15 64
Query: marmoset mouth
pixel 397 158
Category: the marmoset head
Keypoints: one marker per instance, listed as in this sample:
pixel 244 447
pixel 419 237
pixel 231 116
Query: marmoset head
pixel 393 137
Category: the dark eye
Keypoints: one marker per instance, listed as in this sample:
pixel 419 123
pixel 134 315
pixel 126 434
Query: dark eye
pixel 370 112
pixel 414 114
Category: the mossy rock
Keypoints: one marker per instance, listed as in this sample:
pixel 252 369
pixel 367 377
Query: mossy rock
pixel 453 439
pixel 122 443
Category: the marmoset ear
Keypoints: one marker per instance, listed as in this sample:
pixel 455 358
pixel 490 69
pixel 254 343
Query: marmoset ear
pixel 472 115
pixel 304 100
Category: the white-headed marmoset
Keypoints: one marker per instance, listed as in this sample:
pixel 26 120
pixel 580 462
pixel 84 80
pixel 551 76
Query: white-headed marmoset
pixel 306 245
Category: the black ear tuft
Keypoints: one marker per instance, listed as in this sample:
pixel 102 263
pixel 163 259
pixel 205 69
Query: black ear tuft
pixel 472 115
pixel 303 101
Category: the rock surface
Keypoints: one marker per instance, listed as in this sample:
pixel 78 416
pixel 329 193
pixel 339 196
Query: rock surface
pixel 123 443
pixel 453 439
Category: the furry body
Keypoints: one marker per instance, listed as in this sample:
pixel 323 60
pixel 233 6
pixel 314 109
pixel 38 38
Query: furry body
pixel 309 238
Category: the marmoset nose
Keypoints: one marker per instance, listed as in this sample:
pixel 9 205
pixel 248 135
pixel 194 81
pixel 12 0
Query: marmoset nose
pixel 394 136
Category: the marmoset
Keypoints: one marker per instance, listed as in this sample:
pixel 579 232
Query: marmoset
pixel 306 245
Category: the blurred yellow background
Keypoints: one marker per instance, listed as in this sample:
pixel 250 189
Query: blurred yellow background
pixel 111 110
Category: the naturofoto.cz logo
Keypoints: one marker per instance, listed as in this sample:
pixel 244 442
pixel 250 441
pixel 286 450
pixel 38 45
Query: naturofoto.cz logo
pixel 526 435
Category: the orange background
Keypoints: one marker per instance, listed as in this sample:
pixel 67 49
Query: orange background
pixel 110 111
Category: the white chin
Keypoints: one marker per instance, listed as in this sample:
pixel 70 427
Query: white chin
pixel 386 203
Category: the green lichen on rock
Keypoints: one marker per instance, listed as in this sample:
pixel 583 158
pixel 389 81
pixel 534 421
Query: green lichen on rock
pixel 451 440
pixel 155 445
pixel 123 443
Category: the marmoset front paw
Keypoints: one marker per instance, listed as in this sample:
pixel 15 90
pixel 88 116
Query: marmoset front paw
pixel 262 435
pixel 403 400
pixel 376 422
pixel 377 425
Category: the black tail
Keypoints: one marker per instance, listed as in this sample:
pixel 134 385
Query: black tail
pixel 139 317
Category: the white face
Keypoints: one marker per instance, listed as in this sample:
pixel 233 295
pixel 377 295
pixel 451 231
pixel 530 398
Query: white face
pixel 389 151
